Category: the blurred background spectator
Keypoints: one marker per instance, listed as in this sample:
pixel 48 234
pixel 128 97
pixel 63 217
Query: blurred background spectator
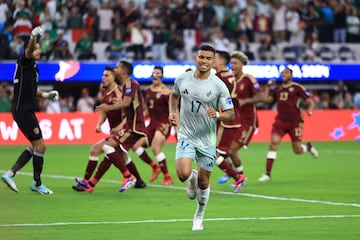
pixel 6 95
pixel 84 47
pixel 60 47
pixel 116 49
pixel 86 103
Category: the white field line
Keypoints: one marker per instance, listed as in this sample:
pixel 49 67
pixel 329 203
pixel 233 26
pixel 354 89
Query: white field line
pixel 177 220
pixel 190 220
pixel 218 192
pixel 342 152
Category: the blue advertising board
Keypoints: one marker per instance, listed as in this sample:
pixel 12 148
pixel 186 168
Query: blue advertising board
pixel 74 71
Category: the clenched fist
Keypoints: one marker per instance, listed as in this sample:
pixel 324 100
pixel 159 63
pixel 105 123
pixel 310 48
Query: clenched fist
pixel 36 32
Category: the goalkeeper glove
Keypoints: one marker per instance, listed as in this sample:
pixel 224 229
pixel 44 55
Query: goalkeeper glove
pixel 36 32
pixel 52 95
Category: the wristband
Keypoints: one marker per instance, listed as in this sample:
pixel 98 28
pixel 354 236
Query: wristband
pixel 217 114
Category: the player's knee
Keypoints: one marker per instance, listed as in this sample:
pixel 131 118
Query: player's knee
pixel 155 149
pixel 231 152
pixel 273 146
pixel 96 150
pixel 40 148
pixel 183 175
pixel 203 183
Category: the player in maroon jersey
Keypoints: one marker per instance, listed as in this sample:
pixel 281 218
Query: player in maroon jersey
pixel 134 129
pixel 156 98
pixel 116 119
pixel 227 131
pixel 110 91
pixel 289 119
pixel 248 93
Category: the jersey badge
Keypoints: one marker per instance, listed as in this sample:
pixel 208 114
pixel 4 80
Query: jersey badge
pixel 229 101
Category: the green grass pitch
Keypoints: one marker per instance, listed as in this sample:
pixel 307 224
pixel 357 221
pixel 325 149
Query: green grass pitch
pixel 306 199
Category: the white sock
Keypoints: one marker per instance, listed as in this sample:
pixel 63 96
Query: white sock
pixel 304 148
pixel 191 178
pixel 239 169
pixel 10 173
pixel 203 198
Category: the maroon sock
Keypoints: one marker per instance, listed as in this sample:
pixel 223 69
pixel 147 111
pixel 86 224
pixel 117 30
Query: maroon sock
pixel 145 157
pixel 90 168
pixel 269 165
pixel 103 167
pixel 117 161
pixel 132 168
pixel 163 167
pixel 226 167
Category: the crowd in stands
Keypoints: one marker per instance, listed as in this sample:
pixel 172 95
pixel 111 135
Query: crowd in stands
pixel 171 30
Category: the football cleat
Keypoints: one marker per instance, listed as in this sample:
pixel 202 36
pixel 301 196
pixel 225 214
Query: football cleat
pixel 192 186
pixel 155 173
pixel 40 189
pixel 78 188
pixel 239 183
pixel 264 178
pixel 197 224
pixel 9 181
pixel 84 184
pixel 224 178
pixel 127 183
pixel 167 180
pixel 140 184
pixel 312 150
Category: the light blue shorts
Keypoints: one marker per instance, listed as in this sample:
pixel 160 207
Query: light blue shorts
pixel 204 157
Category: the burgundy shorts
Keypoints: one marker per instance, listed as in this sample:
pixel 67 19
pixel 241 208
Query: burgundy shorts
pixel 245 133
pixel 126 139
pixel 293 129
pixel 164 128
pixel 224 138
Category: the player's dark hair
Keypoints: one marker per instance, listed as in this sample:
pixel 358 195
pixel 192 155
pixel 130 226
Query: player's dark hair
pixel 160 68
pixel 240 56
pixel 207 47
pixel 291 71
pixel 224 55
pixel 127 66
pixel 109 68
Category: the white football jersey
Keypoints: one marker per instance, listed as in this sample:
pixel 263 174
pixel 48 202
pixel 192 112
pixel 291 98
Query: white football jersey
pixel 197 96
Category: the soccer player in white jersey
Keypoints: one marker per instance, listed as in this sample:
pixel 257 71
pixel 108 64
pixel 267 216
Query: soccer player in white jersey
pixel 201 94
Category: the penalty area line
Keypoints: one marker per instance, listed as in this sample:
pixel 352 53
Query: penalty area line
pixel 179 220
